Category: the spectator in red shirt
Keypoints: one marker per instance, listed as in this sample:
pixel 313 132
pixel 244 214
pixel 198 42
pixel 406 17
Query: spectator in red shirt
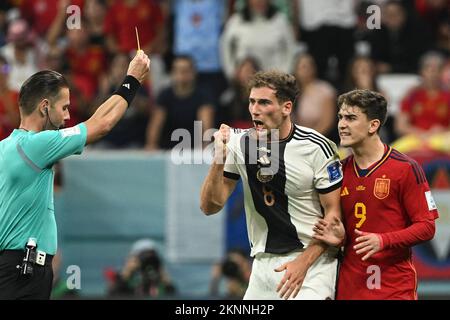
pixel 40 13
pixel 84 59
pixel 124 15
pixel 426 109
pixel 94 14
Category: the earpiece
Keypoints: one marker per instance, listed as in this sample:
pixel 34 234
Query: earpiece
pixel 46 110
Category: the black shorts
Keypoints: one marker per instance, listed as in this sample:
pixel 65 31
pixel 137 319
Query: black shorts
pixel 14 286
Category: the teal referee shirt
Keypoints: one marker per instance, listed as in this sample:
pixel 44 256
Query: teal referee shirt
pixel 26 184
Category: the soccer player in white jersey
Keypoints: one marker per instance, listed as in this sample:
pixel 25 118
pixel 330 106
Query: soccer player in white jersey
pixel 292 178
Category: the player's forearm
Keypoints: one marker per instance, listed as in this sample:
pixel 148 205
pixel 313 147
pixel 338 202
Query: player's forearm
pixel 332 209
pixel 416 233
pixel 313 252
pixel 340 232
pixel 317 247
pixel 211 198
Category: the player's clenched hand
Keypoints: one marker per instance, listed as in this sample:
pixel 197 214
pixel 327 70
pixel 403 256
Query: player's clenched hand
pixel 368 243
pixel 332 233
pixel 221 138
pixel 293 278
pixel 139 66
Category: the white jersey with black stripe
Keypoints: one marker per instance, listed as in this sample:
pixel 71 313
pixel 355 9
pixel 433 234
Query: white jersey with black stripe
pixel 282 200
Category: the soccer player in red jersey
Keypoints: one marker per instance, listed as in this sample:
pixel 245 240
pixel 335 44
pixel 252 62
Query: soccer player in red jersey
pixel 386 203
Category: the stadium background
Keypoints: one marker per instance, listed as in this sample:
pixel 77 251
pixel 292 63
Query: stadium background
pixel 124 189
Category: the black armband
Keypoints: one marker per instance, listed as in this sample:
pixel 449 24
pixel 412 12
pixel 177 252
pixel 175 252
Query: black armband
pixel 128 88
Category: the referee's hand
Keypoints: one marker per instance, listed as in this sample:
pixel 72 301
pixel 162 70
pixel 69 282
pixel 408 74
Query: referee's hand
pixel 139 66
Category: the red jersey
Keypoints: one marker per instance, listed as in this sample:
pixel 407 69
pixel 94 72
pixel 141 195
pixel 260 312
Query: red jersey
pixel 390 196
pixel 41 13
pixel 426 111
pixel 90 64
pixel 121 20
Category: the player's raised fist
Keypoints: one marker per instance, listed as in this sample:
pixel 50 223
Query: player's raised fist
pixel 221 138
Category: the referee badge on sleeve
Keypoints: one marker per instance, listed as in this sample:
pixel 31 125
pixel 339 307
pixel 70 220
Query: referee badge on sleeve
pixel 334 171
pixel 72 131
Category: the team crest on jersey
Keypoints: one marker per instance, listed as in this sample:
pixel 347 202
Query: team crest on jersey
pixel 264 175
pixel 381 188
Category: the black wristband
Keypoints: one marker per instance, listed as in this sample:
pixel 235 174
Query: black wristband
pixel 128 88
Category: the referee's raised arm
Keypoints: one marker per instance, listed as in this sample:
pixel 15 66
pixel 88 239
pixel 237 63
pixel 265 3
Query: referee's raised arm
pixel 112 110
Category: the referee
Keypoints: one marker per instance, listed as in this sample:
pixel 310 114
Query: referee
pixel 28 238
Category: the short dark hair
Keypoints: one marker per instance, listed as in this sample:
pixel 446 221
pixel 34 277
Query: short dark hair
pixel 186 57
pixel 372 103
pixel 44 84
pixel 284 84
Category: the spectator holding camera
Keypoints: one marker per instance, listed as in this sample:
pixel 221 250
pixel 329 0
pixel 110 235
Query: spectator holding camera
pixel 236 269
pixel 143 274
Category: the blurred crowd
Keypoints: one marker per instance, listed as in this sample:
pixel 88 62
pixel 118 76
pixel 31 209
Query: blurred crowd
pixel 204 51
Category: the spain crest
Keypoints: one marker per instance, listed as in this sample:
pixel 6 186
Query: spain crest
pixel 381 188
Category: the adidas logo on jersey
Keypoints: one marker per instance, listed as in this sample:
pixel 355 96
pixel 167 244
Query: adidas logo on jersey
pixel 126 85
pixel 344 192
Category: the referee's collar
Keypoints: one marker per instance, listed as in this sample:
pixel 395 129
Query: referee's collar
pixel 17 132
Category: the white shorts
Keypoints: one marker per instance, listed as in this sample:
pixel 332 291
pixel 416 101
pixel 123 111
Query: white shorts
pixel 319 283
